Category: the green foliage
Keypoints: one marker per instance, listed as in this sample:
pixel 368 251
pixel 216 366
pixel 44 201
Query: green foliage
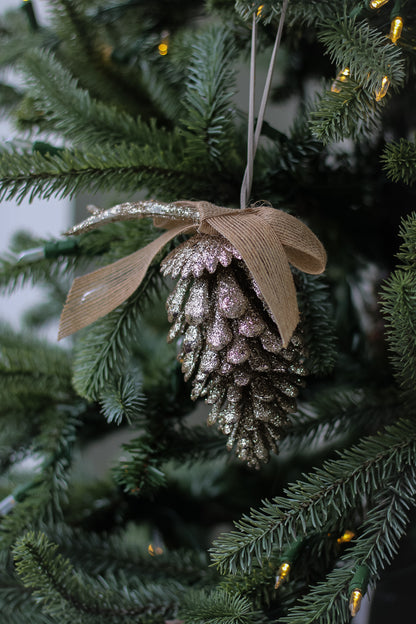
pixel 353 113
pixel 100 554
pixel 305 12
pixel 15 274
pixel 211 83
pixel 125 167
pixel 47 492
pixel 219 607
pixel 318 325
pixel 9 96
pixel 322 496
pixel 375 547
pixel 103 350
pixel 104 110
pixel 16 603
pixel 331 416
pixel 399 306
pixel 365 51
pixel 122 398
pixel 399 161
pixel 71 112
pixel 399 296
pixel 72 597
pixel 140 474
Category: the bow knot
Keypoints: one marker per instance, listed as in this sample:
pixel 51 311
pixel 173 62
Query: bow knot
pixel 267 239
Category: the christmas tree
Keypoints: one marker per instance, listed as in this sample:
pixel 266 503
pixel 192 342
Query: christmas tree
pixel 310 377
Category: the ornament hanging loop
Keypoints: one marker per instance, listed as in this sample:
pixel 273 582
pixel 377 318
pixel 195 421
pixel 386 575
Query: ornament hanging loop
pixel 254 135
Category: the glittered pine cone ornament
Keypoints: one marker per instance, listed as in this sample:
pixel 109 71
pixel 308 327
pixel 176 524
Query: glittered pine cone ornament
pixel 231 347
pixel 236 310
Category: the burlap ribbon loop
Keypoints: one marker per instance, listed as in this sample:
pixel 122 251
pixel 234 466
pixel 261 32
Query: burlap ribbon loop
pixel 267 240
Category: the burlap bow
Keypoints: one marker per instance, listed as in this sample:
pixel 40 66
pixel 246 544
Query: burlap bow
pixel 267 240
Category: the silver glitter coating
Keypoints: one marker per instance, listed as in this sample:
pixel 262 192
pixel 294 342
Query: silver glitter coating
pixel 242 377
pixel 174 302
pixel 177 328
pixel 219 333
pixel 226 368
pixel 197 308
pixel 271 341
pixel 231 348
pixel 192 339
pixel 174 262
pixel 209 361
pixel 239 351
pixel 131 211
pixel 231 301
pixel 251 324
pixel 189 362
pixel 234 394
pixel 263 389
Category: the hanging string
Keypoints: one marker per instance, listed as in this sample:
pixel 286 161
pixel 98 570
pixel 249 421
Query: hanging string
pixel 248 175
pixel 253 137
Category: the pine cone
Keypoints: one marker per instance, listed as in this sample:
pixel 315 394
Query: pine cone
pixel 231 346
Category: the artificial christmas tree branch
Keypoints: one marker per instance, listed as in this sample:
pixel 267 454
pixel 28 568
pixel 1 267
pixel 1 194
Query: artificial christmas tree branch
pixel 133 97
pixel 337 487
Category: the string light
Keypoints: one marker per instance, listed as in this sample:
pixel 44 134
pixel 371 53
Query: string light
pixel 259 10
pixel 154 551
pixel 282 575
pixel 163 46
pixel 341 77
pixel 51 249
pixel 7 504
pixel 289 557
pixel 346 537
pixel 377 4
pixel 381 92
pixel 355 602
pixel 17 496
pixel 358 588
pixel 396 28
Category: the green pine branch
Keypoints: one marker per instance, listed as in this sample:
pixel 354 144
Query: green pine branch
pixel 17 38
pixel 398 305
pixel 399 299
pixel 366 51
pixel 351 113
pixel 83 121
pixel 354 111
pixel 34 364
pixel 9 97
pixel 330 415
pixel 104 349
pixel 318 323
pixel 219 607
pixel 399 161
pixel 100 554
pixel 306 12
pixel 16 603
pixel 124 168
pixel 329 491
pixel 208 122
pixel 139 473
pixel 70 596
pixel 122 398
pixel 375 547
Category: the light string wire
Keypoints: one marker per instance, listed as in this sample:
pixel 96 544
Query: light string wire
pixel 254 136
